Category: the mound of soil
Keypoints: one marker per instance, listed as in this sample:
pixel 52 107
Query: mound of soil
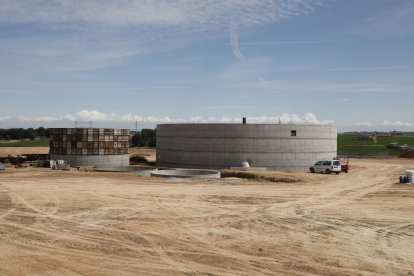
pixel 267 176
pixel 140 159
pixel 408 154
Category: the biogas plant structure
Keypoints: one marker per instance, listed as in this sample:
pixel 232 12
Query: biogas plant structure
pixel 282 147
pixel 99 147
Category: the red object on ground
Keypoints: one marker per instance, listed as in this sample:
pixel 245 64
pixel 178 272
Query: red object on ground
pixel 345 165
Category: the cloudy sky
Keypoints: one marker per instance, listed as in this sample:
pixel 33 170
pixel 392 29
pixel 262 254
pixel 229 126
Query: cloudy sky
pixel 348 62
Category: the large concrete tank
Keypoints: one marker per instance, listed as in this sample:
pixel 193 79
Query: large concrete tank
pixel 286 147
pixel 103 148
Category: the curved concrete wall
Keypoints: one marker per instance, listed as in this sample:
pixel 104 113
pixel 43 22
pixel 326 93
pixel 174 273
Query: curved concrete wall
pixel 100 161
pixel 217 146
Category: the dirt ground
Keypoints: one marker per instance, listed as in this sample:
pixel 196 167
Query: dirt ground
pixel 88 223
pixel 6 151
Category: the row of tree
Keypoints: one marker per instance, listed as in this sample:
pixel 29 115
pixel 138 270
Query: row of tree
pixel 21 133
pixel 144 138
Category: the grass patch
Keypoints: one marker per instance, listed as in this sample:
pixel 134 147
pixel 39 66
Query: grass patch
pixel 351 145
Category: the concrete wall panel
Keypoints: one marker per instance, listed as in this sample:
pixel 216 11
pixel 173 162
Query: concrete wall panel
pixel 219 146
pixel 100 161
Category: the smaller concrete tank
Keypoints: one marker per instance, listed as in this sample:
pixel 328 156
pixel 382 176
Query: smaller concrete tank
pixel 100 147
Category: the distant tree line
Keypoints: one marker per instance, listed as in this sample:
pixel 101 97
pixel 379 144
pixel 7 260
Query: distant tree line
pixel 21 133
pixel 144 138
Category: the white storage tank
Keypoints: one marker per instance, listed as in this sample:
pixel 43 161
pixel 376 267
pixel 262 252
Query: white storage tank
pixel 285 147
pixel 410 175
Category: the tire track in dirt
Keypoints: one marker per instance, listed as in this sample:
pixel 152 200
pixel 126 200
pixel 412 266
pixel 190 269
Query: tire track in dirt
pixel 6 205
pixel 150 238
pixel 207 246
pixel 332 225
pixel 388 236
pixel 294 210
pixel 124 238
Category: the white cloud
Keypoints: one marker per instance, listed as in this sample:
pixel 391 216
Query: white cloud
pixel 88 35
pixel 4 118
pixel 395 21
pixel 377 68
pixel 254 74
pixel 385 124
pixel 396 123
pixel 198 14
pixel 365 123
pixel 96 116
pixel 228 107
pixel 129 119
pixel 297 42
pixel 234 41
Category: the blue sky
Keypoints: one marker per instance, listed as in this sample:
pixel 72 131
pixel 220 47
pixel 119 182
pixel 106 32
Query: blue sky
pixel 348 62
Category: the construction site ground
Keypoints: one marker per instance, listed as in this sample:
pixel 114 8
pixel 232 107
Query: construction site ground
pixel 90 223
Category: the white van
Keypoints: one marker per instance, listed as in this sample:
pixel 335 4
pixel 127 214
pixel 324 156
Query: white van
pixel 326 167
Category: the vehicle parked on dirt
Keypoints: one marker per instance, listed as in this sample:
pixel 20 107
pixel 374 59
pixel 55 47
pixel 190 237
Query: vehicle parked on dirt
pixel 326 166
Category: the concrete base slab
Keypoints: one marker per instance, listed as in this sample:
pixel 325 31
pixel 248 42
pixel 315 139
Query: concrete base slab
pixel 185 173
pixel 250 169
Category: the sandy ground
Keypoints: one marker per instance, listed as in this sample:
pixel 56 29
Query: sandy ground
pixel 80 223
pixel 5 151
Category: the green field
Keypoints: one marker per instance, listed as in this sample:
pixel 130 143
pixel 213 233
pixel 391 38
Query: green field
pixel 42 142
pixel 351 145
